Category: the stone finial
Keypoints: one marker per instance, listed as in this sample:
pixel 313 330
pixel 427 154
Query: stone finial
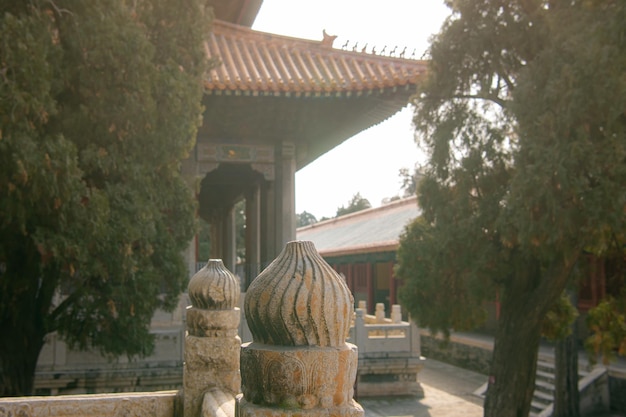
pixel 299 300
pixel 214 287
pixel 211 344
pixel 299 364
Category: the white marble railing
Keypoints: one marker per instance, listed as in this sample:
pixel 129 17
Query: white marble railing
pixel 385 337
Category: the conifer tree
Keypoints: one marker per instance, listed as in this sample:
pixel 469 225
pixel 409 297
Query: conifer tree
pixel 99 102
pixel 523 116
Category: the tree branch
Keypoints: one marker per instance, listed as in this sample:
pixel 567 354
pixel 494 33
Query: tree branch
pixel 495 99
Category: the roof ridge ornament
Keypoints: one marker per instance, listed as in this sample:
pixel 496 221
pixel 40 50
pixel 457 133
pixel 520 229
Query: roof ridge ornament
pixel 386 51
pixel 327 40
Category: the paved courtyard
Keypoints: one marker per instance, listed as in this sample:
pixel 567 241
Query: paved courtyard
pixel 448 393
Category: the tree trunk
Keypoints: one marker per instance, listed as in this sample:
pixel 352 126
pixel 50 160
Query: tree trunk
pixel 514 364
pixel 566 395
pixel 25 299
pixel 18 358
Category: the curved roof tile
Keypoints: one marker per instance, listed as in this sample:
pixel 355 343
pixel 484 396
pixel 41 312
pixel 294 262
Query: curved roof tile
pixel 371 230
pixel 259 62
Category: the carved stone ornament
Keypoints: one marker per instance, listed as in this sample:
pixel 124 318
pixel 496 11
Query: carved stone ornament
pixel 214 287
pixel 299 364
pixel 299 300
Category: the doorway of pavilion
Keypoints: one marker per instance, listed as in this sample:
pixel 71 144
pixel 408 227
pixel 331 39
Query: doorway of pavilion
pixel 232 199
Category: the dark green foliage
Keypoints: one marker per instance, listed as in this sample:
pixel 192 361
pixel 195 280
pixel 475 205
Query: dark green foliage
pixel 523 118
pixel 99 102
pixel 357 203
pixel 305 219
pixel 410 181
pixel 608 323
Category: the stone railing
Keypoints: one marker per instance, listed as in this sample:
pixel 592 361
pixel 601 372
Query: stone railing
pixel 298 364
pixel 389 353
pixel 153 404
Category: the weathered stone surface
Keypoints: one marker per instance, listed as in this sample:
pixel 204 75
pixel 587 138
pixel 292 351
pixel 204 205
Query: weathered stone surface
pixel 213 323
pixel 156 404
pixel 299 300
pixel 210 362
pixel 214 287
pixel 245 409
pixel 298 377
pixel 218 403
pixel 203 353
pixel 212 345
pixel 299 364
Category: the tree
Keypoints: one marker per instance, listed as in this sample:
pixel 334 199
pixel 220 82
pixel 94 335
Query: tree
pixel 409 181
pixel 305 219
pixel 523 119
pixel 99 102
pixel 357 203
pixel 607 321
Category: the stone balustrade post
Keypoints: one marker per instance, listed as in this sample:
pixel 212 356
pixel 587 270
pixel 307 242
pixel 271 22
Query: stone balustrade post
pixel 396 313
pixel 380 313
pixel 211 345
pixel 299 364
pixel 360 334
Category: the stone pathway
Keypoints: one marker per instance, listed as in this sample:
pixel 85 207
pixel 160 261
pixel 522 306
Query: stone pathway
pixel 448 393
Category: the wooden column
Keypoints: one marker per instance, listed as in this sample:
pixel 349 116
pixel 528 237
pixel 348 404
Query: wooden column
pixel 216 238
pixel 253 233
pixel 392 285
pixel 229 248
pixel 268 227
pixel 285 209
pixel 370 286
pixel 223 238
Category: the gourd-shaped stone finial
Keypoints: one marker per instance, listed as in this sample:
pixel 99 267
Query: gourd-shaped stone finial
pixel 299 300
pixel 214 287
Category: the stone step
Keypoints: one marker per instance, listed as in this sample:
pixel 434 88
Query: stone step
pixel 545 366
pixel 542 396
pixel 537 407
pixel 547 387
pixel 545 376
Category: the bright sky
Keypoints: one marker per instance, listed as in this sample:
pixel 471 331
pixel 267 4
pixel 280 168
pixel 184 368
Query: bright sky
pixel 369 162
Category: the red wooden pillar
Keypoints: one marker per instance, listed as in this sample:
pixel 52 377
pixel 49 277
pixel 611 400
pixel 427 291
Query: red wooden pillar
pixel 370 287
pixel 392 286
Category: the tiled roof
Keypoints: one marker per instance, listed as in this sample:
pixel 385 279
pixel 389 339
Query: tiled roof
pixel 372 230
pixel 259 63
pixel 241 12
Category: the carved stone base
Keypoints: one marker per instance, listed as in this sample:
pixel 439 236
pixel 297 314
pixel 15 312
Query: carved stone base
pixel 213 323
pixel 389 375
pixel 244 408
pixel 302 377
pixel 209 362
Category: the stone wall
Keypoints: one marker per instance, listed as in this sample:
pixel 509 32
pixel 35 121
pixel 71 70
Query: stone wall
pixel 617 390
pixel 464 353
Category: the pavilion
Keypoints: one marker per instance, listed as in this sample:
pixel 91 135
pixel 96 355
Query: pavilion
pixel 273 105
